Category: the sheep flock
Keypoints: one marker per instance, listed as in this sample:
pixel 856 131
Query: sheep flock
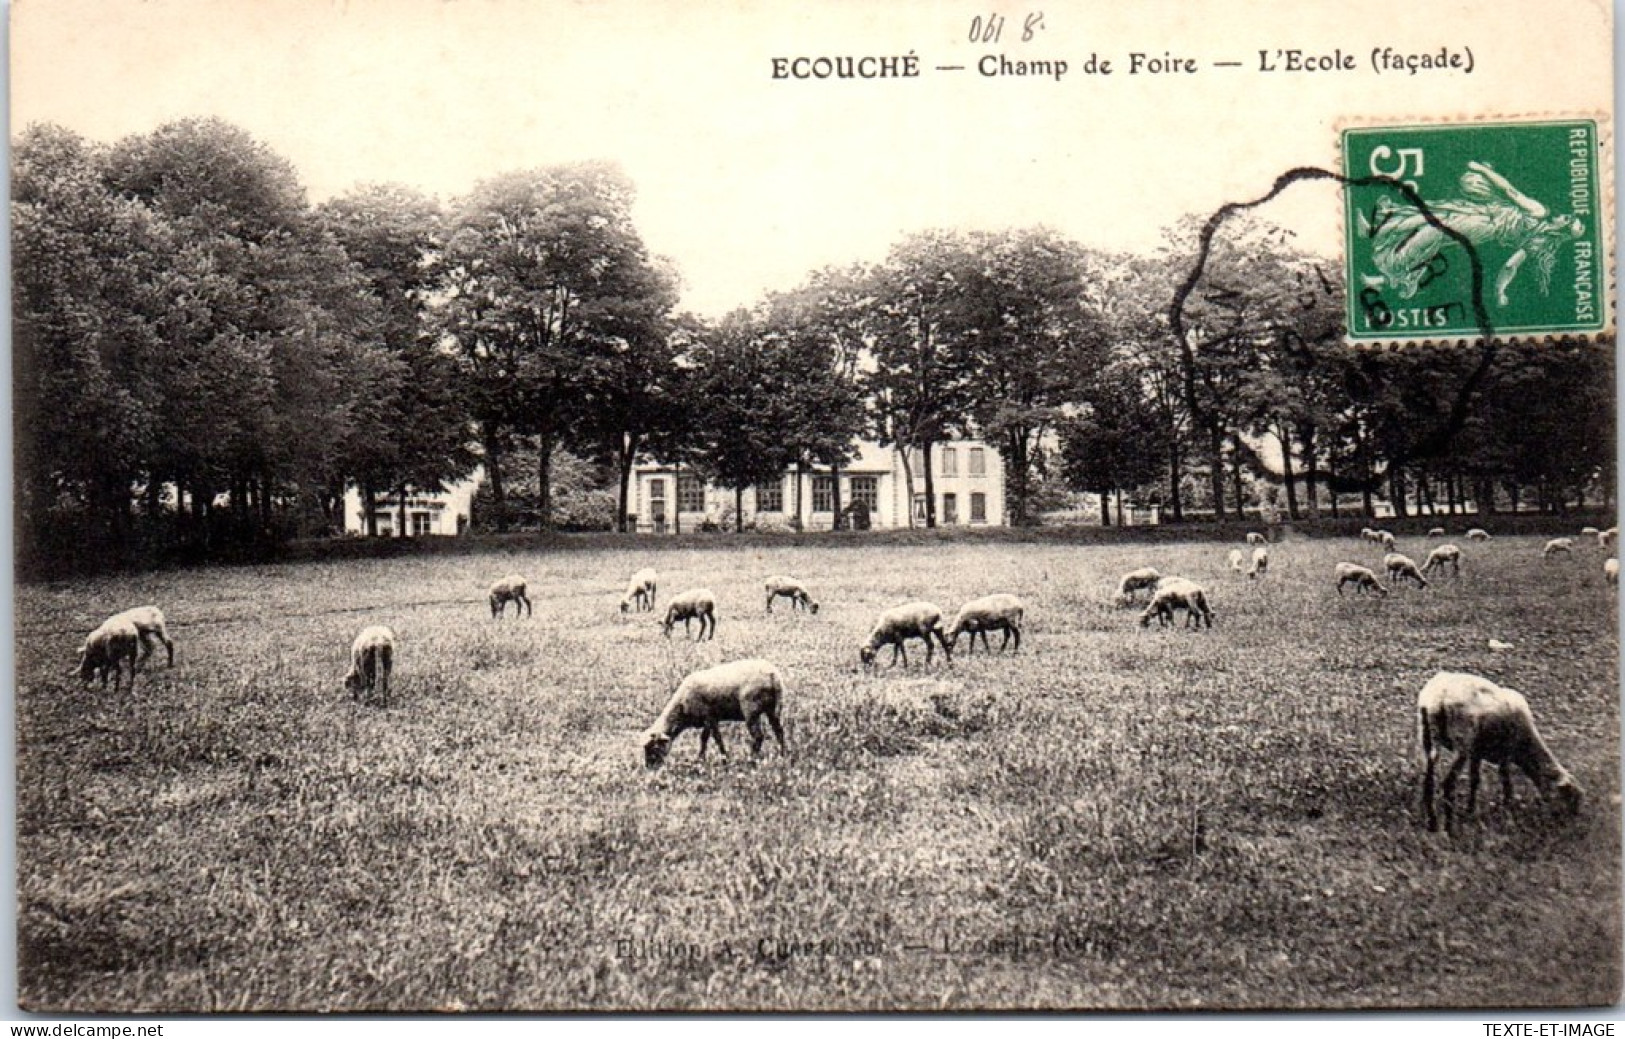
pixel 1466 715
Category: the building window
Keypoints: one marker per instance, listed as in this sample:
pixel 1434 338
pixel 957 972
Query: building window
pixel 690 494
pixel 919 509
pixel 823 494
pixel 657 491
pixel 950 509
pixel 866 489
pixel 770 497
pixel 950 462
pixel 385 525
pixel 978 508
pixel 421 524
pixel 978 461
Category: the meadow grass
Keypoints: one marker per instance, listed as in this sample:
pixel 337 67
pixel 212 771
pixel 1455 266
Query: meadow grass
pixel 1114 817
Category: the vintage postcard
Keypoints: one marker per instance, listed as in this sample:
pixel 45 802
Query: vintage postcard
pixel 533 506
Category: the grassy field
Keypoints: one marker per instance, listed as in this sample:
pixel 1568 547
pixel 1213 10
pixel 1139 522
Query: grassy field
pixel 1115 817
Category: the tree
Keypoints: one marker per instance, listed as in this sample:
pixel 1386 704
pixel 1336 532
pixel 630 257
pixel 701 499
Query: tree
pixel 1104 448
pixel 551 297
pixel 414 429
pixel 917 388
pixel 1023 340
pixel 741 395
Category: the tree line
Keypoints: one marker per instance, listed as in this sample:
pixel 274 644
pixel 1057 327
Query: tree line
pixel 203 361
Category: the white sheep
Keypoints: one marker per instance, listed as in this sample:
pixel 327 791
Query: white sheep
pixel 1367 534
pixel 1261 562
pixel 1400 567
pixel 1445 555
pixel 1610 571
pixel 1436 532
pixel 1556 545
pixel 1178 593
pixel 792 589
pixel 1000 612
pixel 1362 578
pixel 740 690
pixel 640 591
pixel 1386 540
pixel 1255 538
pixel 1237 560
pixel 149 624
pixel 1478 534
pixel 1607 537
pixel 372 658
pixel 696 604
pixel 115 641
pixel 915 620
pixel 1144 579
pixel 1481 721
pixel 510 589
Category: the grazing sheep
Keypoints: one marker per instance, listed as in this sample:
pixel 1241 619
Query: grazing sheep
pixel 1255 538
pixel 1144 579
pixel 1177 593
pixel 1610 570
pixel 738 691
pixel 697 603
pixel 1237 560
pixel 510 589
pixel 1362 578
pixel 640 592
pixel 106 649
pixel 372 657
pixel 1402 567
pixel 149 624
pixel 1589 532
pixel 1386 540
pixel 1367 534
pixel 1478 534
pixel 990 613
pixel 1261 562
pixel 1481 721
pixel 791 589
pixel 1556 545
pixel 1439 558
pixel 1436 532
pixel 915 620
pixel 1607 537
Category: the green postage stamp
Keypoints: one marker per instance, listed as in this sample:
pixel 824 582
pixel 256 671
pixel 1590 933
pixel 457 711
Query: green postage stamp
pixel 1525 198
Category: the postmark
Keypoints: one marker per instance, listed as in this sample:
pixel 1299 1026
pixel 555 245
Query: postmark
pixel 1454 231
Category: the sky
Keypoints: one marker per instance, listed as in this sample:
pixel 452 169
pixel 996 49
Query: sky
pixel 748 182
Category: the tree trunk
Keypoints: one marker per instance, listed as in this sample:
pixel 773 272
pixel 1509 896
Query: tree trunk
pixel 1015 471
pixel 1311 462
pixel 677 498
pixel 1286 471
pixel 930 486
pixel 400 491
pixel 544 481
pixel 1175 492
pixel 839 522
pixel 629 455
pixel 1235 476
pixel 1119 506
pixel 908 486
pixel 1105 507
pixel 499 494
pixel 801 514
pixel 1396 492
pixel 1215 445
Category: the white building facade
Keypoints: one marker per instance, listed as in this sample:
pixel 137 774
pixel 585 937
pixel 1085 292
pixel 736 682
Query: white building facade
pixel 446 514
pixel 967 477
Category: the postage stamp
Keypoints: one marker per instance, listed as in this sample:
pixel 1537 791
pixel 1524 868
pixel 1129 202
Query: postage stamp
pixel 1522 198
